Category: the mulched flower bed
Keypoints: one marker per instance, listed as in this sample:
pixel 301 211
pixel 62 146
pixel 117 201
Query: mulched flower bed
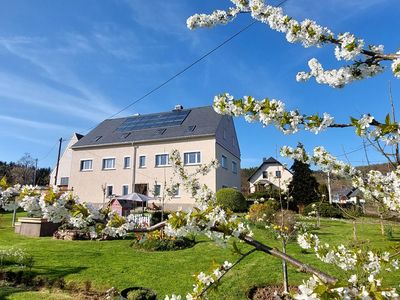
pixel 268 292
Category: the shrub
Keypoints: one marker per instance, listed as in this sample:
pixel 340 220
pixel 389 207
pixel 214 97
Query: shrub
pixel 155 241
pixel 232 199
pixel 262 212
pixel 272 193
pixel 141 294
pixel 354 211
pixel 156 217
pixel 325 210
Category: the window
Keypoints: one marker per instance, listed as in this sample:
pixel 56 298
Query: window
pixel 162 160
pixel 234 167
pixel 108 163
pixel 127 162
pixel 192 158
pixel 278 174
pixel 86 165
pixel 64 180
pixel 224 161
pixel 265 174
pixel 142 161
pixel 175 191
pixel 109 191
pixel 125 189
pixel 157 190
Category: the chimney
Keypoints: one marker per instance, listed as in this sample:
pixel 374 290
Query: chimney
pixel 264 159
pixel 178 107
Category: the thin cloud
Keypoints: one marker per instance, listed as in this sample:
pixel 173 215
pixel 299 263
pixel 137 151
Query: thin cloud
pixel 36 94
pixel 33 124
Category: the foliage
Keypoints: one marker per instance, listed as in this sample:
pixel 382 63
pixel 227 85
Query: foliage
pixel 232 199
pixel 303 187
pixel 352 212
pixel 262 212
pixel 325 210
pixel 156 217
pixel 23 171
pixel 141 294
pixel 157 241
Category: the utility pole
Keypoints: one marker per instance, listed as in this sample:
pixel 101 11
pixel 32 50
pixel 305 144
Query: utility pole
pixel 329 188
pixel 58 161
pixel 34 174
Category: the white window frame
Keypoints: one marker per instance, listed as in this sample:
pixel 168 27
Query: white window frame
pixel 102 163
pixel 112 190
pixel 224 165
pixel 61 180
pixel 160 166
pixel 140 166
pixel 191 152
pixel 130 162
pixel 234 170
pixel 81 165
pixel 125 185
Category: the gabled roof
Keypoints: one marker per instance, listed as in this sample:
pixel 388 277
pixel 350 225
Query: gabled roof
pixel 199 121
pixel 269 161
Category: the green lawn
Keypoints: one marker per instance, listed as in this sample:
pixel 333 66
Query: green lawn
pixel 114 263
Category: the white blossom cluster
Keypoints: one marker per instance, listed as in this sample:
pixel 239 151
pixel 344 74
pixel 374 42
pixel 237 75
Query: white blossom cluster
pixel 203 281
pixel 338 78
pixel 216 17
pixel 350 47
pixel 308 33
pixel 270 112
pixel 396 66
pixel 8 197
pixel 365 268
pixel 66 208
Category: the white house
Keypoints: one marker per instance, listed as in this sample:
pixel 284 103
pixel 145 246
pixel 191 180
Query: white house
pixel 129 154
pixel 270 173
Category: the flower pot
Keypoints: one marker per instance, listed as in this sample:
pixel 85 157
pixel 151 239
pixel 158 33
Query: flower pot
pixel 151 294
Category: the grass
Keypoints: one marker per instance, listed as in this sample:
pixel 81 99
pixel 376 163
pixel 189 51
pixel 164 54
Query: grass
pixel 115 263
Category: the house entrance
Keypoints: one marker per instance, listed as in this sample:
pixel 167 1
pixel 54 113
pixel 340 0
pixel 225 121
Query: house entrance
pixel 142 188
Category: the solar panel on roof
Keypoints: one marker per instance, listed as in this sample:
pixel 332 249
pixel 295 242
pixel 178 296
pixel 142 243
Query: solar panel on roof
pixel 168 119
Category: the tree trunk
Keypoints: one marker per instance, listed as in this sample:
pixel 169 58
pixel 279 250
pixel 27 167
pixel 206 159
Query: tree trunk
pixel 382 225
pixel 285 272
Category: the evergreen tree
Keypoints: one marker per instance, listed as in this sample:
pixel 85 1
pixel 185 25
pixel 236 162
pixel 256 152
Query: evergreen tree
pixel 303 187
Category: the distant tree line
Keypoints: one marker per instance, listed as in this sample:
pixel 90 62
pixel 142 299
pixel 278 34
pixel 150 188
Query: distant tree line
pixel 23 172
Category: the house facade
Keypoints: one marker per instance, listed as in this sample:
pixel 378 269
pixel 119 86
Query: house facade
pixel 126 155
pixel 271 173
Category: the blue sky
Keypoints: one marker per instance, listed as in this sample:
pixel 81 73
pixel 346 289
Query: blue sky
pixel 67 65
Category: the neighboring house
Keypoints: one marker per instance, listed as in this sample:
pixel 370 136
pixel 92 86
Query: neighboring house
pixel 129 154
pixel 347 195
pixel 270 173
pixel 64 168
